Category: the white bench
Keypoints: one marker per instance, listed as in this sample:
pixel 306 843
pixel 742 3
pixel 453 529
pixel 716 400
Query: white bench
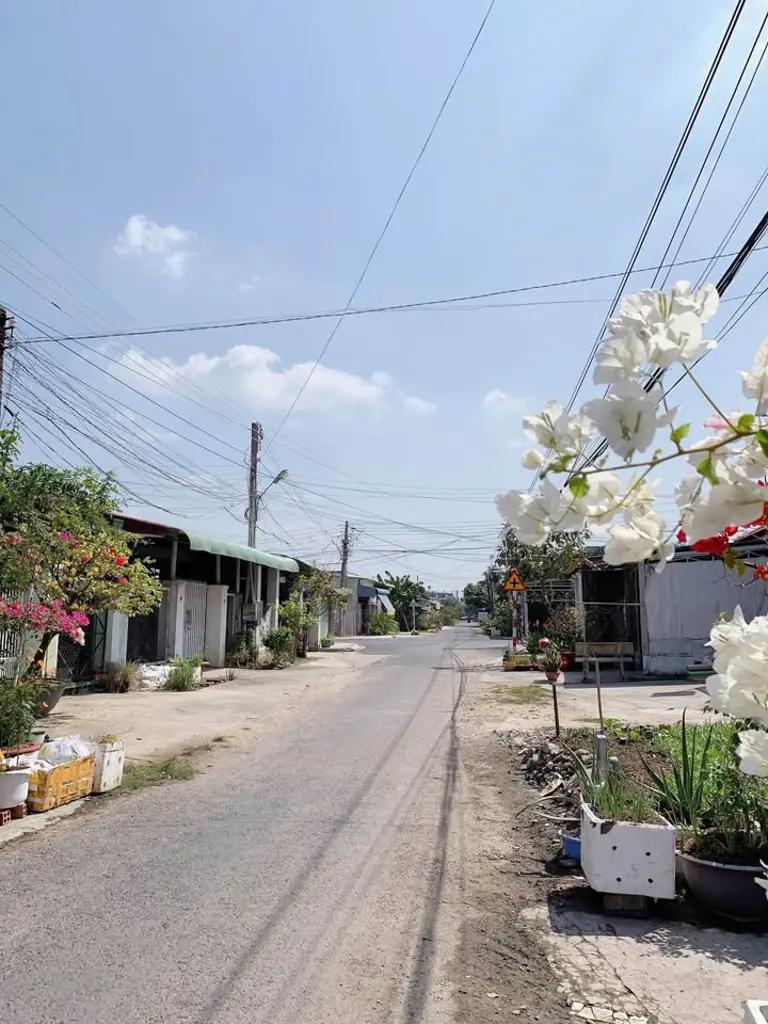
pixel 604 653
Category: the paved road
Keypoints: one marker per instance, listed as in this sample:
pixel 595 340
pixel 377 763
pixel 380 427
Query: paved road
pixel 312 878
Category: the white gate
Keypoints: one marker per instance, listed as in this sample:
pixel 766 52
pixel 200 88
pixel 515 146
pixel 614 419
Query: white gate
pixel 194 619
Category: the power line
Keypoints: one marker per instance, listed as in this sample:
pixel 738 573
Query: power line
pixel 281 318
pixel 387 222
pixel 716 162
pixel 64 259
pixel 682 142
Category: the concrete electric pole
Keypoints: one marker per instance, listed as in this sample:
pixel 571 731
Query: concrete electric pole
pixel 6 338
pixel 344 554
pixel 257 435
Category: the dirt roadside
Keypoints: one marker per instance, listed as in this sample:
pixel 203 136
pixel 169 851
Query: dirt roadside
pixel 502 968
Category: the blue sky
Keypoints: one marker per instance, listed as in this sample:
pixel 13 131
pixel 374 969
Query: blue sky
pixel 213 162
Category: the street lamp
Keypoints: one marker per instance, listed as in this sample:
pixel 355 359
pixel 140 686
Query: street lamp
pixel 252 512
pixel 275 480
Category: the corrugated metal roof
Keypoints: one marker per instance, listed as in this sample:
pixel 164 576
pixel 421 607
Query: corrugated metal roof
pixel 216 546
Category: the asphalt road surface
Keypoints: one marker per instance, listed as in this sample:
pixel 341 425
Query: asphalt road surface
pixel 314 877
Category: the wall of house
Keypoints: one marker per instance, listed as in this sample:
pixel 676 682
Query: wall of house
pixel 680 605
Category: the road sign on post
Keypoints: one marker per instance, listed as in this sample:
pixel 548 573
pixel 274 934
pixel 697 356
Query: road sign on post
pixel 514 584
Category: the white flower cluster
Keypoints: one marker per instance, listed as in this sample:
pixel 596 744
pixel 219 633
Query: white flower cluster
pixel 723 489
pixel 740 687
pixel 653 331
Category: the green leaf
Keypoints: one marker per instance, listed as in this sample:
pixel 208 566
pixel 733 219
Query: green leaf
pixel 729 559
pixel 741 567
pixel 677 435
pixel 578 486
pixel 707 468
pixel 762 440
pixel 745 423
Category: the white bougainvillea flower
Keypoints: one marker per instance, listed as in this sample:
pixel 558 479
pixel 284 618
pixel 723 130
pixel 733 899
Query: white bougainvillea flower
pixel 534 516
pixel 628 417
pixel 620 357
pixel 639 538
pixel 554 428
pixel 754 383
pixel 733 503
pixel 753 752
pixel 726 638
pixel 702 302
pixel 533 459
pixel 602 501
pixel 526 515
pixel 751 461
pixel 677 340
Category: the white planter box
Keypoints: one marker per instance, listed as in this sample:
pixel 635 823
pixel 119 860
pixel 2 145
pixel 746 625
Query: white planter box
pixel 110 762
pixel 755 1012
pixel 627 857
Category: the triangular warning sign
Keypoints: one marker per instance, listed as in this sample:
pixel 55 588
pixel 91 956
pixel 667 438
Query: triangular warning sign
pixel 514 582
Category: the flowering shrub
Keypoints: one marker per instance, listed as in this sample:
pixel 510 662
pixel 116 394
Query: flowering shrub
pixel 41 618
pixel 723 490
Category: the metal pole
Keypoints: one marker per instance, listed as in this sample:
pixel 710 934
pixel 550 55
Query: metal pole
pixel 599 694
pixel 556 709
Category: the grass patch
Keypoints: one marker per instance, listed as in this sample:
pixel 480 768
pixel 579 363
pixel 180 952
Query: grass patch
pixel 522 694
pixel 219 739
pixel 139 774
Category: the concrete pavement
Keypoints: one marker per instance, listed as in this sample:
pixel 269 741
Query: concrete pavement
pixel 311 877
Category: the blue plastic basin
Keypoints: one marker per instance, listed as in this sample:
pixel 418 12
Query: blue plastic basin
pixel 571 846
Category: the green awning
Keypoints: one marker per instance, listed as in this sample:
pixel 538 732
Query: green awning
pixel 215 546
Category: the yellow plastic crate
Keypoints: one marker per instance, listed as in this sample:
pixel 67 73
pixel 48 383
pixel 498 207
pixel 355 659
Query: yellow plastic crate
pixel 61 785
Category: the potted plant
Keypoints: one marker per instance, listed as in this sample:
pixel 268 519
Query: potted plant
pixel 565 625
pixel 722 819
pixel 17 716
pixel 548 660
pixel 508 659
pixel 328 641
pixel 624 848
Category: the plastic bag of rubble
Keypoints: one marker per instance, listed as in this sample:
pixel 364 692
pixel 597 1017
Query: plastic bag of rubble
pixel 64 749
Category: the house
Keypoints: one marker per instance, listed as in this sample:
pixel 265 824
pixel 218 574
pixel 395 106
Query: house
pixel 667 616
pixel 212 590
pixel 366 598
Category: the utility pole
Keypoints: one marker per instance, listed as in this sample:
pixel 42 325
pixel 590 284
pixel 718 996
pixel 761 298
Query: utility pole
pixel 345 545
pixel 344 554
pixel 6 338
pixel 257 435
pixel 413 612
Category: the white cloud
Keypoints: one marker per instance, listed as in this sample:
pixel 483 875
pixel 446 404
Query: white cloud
pixel 502 404
pixel 418 406
pixel 166 249
pixel 255 374
pixel 249 282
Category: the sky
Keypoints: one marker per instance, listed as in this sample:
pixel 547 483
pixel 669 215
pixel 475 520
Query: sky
pixel 197 163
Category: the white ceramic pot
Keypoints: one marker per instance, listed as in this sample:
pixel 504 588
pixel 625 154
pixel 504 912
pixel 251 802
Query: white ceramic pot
pixel 14 786
pixel 628 857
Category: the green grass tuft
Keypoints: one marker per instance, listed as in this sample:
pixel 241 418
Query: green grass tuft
pixel 522 694
pixel 139 774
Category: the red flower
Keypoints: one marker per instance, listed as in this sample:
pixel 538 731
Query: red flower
pixel 86 558
pixel 716 545
pixel 682 537
pixel 121 560
pixel 760 573
pixel 123 579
